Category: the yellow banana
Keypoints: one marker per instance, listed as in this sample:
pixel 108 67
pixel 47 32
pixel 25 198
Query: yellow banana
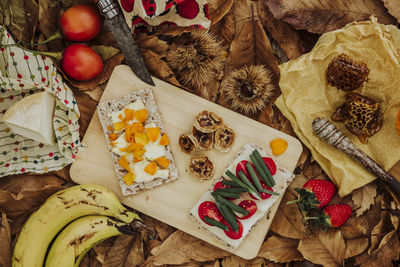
pixel 59 210
pixel 79 237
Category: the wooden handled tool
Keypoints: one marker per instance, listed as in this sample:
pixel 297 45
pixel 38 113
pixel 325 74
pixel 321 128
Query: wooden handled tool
pixel 333 136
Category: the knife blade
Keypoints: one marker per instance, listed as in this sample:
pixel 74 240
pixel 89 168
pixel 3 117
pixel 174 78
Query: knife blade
pixel 116 22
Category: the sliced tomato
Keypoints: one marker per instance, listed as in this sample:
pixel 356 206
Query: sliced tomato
pixel 220 185
pixel 241 166
pixel 262 194
pixel 270 164
pixel 248 205
pixel 209 209
pixel 232 234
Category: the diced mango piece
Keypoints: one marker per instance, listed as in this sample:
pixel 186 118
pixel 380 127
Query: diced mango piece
pixel 137 127
pixel 113 144
pixel 163 162
pixel 112 137
pixel 120 117
pixel 110 128
pixel 151 168
pixel 123 162
pixel 138 153
pixel 153 133
pixel 278 146
pixel 128 179
pixel 135 146
pixel 128 114
pixel 129 135
pixel 137 159
pixel 141 115
pixel 141 138
pixel 164 140
pixel 118 126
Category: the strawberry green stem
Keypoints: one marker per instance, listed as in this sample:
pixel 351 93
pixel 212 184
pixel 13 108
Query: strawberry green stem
pixel 311 218
pixel 293 201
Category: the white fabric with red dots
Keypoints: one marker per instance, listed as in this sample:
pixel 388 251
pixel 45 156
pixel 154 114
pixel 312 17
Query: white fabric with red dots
pixel 186 13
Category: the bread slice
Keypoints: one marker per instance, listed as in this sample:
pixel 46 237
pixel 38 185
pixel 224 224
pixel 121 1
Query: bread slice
pixel 106 109
pixel 283 177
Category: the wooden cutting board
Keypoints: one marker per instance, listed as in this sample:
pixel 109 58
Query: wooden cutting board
pixel 170 203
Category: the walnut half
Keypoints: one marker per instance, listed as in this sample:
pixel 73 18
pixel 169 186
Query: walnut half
pixel 224 138
pixel 201 167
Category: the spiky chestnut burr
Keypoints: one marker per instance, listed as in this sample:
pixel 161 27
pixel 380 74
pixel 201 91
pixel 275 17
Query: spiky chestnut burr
pixel 198 60
pixel 249 89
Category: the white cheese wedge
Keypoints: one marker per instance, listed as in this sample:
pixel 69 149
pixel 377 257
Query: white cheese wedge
pixel 137 105
pixel 32 117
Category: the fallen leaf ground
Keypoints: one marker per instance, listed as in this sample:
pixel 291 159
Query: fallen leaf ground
pixel 252 32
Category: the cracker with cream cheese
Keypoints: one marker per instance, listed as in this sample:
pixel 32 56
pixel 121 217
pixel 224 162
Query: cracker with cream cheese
pixel 137 140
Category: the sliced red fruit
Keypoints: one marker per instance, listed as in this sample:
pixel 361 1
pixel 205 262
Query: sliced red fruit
pixel 220 185
pixel 241 166
pixel 270 164
pixel 209 209
pixel 262 194
pixel 232 234
pixel 248 205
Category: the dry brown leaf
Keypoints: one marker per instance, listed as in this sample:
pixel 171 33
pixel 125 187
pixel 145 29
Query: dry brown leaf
pixel 290 40
pixel 218 9
pixel 384 255
pixel 327 248
pixel 97 93
pixel 17 183
pixel 181 248
pixel 103 77
pixel 105 51
pixel 280 249
pixel 363 198
pixel 90 260
pixel 233 261
pixel 136 252
pixel 355 227
pixel 393 7
pixel 288 221
pixel 225 28
pixel 64 173
pixel 355 246
pixel 5 241
pixel 102 248
pixel 159 67
pixel 49 14
pixel 87 107
pixel 153 43
pixel 116 256
pixel 312 170
pixel 379 231
pixel 212 264
pixel 25 201
pixel 322 16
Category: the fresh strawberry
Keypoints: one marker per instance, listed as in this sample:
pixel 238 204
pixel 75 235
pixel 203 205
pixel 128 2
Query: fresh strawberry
pixel 337 214
pixel 316 193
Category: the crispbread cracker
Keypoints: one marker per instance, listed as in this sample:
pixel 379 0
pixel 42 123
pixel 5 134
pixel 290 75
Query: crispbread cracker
pixel 106 109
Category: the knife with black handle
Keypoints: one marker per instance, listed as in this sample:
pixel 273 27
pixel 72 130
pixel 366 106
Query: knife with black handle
pixel 115 20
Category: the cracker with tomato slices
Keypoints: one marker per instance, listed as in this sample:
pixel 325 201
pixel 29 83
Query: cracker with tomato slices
pixel 256 207
pixel 137 141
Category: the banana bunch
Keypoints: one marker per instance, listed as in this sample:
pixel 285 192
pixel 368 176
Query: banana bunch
pixel 82 214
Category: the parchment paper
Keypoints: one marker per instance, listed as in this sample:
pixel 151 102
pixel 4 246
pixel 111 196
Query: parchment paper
pixel 306 95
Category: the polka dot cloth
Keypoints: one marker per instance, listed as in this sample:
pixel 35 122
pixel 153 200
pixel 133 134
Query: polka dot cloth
pixel 140 14
pixel 22 74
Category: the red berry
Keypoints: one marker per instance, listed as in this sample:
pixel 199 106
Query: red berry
pixel 80 23
pixel 337 214
pixel 81 62
pixel 322 189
